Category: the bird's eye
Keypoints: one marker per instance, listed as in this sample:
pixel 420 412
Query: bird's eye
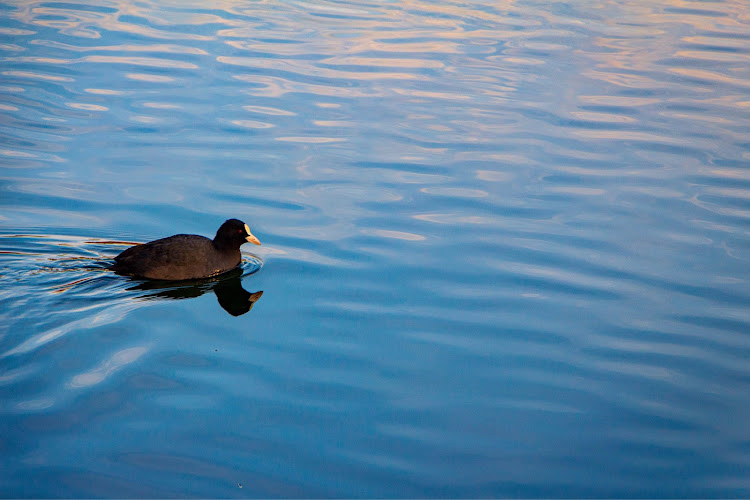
pixel 239 231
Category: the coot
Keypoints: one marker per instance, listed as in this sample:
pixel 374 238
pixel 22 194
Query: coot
pixel 187 256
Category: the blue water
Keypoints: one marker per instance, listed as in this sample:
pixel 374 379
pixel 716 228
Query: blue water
pixel 506 248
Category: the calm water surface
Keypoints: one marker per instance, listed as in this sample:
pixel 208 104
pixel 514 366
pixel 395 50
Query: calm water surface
pixel 506 248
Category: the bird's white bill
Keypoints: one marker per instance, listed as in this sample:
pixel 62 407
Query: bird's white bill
pixel 250 238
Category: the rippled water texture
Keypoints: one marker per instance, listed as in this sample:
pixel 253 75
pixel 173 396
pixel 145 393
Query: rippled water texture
pixel 505 248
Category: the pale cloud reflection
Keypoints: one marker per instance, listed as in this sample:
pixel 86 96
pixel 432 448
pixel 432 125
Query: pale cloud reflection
pixel 145 77
pixel 252 124
pixel 493 176
pixel 306 68
pixel 396 235
pixel 86 107
pixel 37 341
pixel 265 110
pixel 105 91
pixel 37 76
pixel 453 219
pixel 455 192
pixel 36 404
pixel 133 61
pixel 108 367
pixel 16 32
pixel 142 48
pixel 500 71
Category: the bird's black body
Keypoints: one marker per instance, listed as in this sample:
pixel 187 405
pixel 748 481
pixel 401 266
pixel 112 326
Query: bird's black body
pixel 187 256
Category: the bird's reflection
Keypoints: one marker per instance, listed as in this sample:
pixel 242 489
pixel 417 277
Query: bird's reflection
pixel 228 289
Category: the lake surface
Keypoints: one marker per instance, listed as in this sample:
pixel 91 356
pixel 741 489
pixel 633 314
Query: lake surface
pixel 506 248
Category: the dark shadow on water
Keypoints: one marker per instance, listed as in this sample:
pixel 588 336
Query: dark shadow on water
pixel 232 297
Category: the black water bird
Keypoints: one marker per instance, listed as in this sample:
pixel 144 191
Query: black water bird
pixel 187 256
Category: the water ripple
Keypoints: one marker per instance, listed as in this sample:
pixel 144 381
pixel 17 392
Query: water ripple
pixel 491 231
